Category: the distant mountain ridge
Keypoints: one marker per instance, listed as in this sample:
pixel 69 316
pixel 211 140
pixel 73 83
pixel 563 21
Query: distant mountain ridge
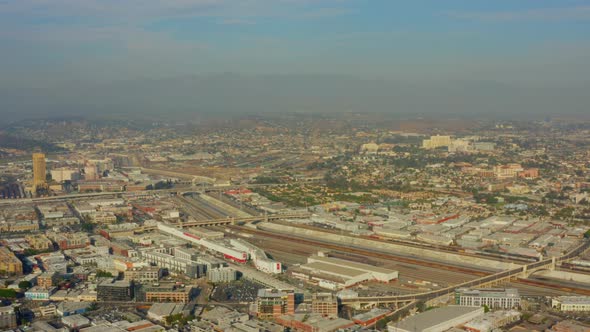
pixel 187 97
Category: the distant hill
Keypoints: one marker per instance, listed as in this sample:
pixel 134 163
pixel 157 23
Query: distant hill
pixel 13 142
pixel 188 98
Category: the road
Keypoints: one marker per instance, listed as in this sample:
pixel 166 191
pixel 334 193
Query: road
pixel 176 189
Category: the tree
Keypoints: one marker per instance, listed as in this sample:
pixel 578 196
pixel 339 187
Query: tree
pixel 87 227
pixel 7 293
pixel 421 306
pixel 103 274
pixel 24 284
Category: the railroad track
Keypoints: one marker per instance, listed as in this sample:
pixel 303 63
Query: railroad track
pixel 427 246
pixel 365 252
pixel 567 289
pixel 377 254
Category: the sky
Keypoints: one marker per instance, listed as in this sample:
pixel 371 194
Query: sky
pixel 84 56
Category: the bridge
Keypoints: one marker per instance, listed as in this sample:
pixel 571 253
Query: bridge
pixel 230 221
pixel 523 271
pixel 180 190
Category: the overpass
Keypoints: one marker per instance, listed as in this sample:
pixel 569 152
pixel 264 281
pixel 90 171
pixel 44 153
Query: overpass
pixel 523 271
pixel 185 189
pixel 230 221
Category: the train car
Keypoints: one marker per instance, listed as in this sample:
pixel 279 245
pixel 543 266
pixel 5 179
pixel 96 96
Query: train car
pixel 238 256
pixel 258 257
pixel 233 254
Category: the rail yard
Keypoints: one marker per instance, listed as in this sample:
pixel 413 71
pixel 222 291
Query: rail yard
pixel 416 274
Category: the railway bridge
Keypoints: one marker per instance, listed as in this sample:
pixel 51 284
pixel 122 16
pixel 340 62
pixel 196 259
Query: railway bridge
pixel 523 271
pixel 231 221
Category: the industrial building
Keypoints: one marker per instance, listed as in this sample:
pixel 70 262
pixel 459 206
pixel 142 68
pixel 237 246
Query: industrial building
pixel 436 320
pixel 370 317
pixel 492 320
pixel 69 308
pixel 314 323
pixel 346 273
pixel 325 304
pixel 114 290
pixel 173 263
pixel 571 303
pixel 75 322
pixel 494 298
pixel 169 292
pixel 146 274
pixel 160 311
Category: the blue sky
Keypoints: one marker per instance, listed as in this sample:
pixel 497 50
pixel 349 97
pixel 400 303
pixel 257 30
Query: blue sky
pixel 535 43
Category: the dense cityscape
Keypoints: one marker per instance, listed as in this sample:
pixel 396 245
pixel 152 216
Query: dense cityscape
pixel 295 223
pixel 294 166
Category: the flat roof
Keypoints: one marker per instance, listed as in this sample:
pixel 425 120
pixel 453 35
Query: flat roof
pixel 162 309
pixel 490 292
pixel 333 269
pixel 433 317
pixel 351 265
pixel 7 309
pixel 270 292
pixel 574 299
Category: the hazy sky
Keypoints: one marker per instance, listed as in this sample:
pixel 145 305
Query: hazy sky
pixel 50 48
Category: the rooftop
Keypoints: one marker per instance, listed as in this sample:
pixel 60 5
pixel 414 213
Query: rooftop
pixel 269 292
pixel 490 292
pixel 433 317
pixel 574 299
pixel 350 264
pixel 332 269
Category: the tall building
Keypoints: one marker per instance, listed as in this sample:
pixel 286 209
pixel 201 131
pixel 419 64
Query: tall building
pixel 90 172
pixel 272 303
pixel 436 142
pixel 39 170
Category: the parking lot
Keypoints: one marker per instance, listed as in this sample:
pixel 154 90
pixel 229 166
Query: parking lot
pixel 238 291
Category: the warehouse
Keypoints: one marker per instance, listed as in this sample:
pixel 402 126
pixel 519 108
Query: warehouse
pixel 160 311
pixel 351 273
pixel 436 320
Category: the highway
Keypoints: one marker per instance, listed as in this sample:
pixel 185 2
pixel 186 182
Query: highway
pixel 177 189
